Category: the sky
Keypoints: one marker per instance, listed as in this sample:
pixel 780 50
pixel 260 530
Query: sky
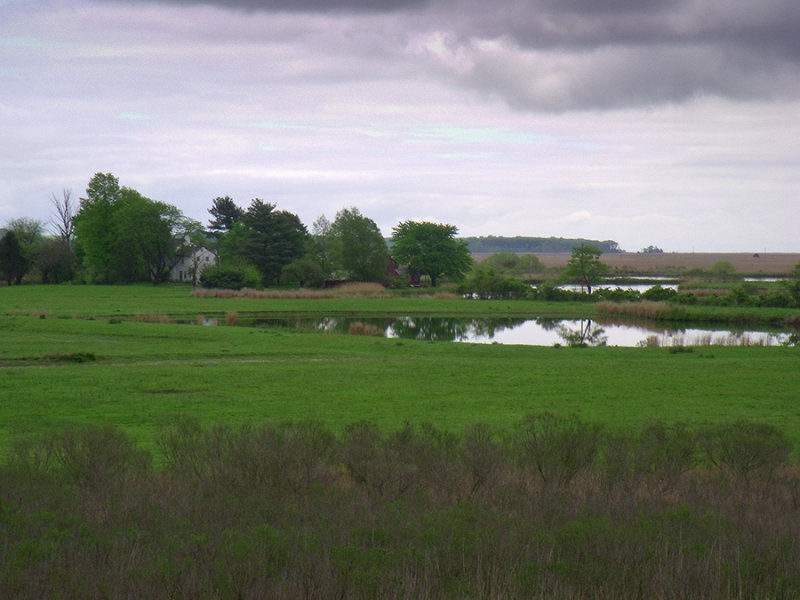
pixel 673 123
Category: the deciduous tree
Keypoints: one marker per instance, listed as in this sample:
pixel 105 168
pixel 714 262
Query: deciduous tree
pixel 358 246
pixel 584 267
pixel 93 226
pixel 321 245
pixel 156 233
pixel 13 263
pixel 61 221
pixel 127 237
pixel 431 249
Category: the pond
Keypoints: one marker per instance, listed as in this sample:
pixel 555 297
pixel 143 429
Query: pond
pixel 532 332
pixel 637 284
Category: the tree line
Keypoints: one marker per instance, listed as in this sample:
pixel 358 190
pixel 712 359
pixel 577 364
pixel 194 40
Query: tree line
pixel 117 235
pixel 493 244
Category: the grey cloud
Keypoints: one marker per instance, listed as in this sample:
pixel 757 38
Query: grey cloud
pixel 583 54
pixel 303 6
pixel 549 55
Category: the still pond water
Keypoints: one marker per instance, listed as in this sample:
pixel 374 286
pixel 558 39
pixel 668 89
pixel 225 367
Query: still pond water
pixel 534 332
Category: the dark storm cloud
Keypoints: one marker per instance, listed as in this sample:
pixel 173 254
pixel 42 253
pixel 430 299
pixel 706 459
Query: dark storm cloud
pixel 574 54
pixel 565 54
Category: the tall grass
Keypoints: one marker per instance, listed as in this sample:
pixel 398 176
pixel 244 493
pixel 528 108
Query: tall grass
pixel 646 309
pixel 151 318
pixel 295 511
pixel 708 339
pixel 346 290
pixel 359 328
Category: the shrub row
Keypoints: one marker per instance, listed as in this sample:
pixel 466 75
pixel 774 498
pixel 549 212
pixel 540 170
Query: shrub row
pixel 553 507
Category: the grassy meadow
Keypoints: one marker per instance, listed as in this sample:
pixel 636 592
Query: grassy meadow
pixel 116 355
pixel 144 455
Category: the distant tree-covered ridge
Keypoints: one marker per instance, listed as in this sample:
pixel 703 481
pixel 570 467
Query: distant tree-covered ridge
pixel 492 244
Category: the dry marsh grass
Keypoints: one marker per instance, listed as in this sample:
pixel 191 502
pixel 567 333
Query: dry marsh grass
pixel 359 328
pixel 151 318
pixel 645 309
pixel 347 290
pixel 767 263
pixel 709 339
pixel 446 296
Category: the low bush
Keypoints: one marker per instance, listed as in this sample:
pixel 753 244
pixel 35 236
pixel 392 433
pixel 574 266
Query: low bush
pixel 229 279
pixel 616 295
pixel 72 357
pixel 745 449
pixel 555 507
pixel 659 294
pixel 484 283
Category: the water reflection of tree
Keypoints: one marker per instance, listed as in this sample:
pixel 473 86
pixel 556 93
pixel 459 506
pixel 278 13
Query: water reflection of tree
pixel 491 327
pixel 449 328
pixel 585 333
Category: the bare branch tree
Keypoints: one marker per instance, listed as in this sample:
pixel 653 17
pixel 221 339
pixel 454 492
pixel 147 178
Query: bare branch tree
pixel 62 219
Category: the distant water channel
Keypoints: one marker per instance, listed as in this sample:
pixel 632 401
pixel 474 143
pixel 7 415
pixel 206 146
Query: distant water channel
pixel 533 332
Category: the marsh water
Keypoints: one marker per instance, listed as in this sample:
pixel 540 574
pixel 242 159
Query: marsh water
pixel 532 332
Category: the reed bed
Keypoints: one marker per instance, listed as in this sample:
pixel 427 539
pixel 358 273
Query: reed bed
pixel 550 508
pixel 151 318
pixel 709 339
pixel 359 328
pixel 677 262
pixel 347 290
pixel 646 309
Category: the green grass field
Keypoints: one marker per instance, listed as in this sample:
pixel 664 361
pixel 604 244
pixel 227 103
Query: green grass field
pixel 146 374
pixel 135 475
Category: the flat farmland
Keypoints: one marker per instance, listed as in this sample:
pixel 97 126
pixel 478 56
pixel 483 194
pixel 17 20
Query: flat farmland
pixel 747 263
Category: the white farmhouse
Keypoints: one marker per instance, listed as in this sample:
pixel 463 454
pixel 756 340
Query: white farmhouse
pixel 192 266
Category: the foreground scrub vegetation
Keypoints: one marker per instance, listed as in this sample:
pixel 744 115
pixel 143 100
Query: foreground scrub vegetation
pixel 548 507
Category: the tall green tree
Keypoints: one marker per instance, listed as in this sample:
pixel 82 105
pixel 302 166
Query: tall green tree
pixel 94 226
pixel 226 214
pixel 125 236
pixel 431 249
pixel 29 232
pixel 29 235
pixel 358 247
pixel 584 267
pixel 13 263
pixel 157 234
pixel 55 261
pixel 320 247
pixel 268 239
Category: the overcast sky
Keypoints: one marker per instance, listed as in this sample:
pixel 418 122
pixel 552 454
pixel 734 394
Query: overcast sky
pixel 666 122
